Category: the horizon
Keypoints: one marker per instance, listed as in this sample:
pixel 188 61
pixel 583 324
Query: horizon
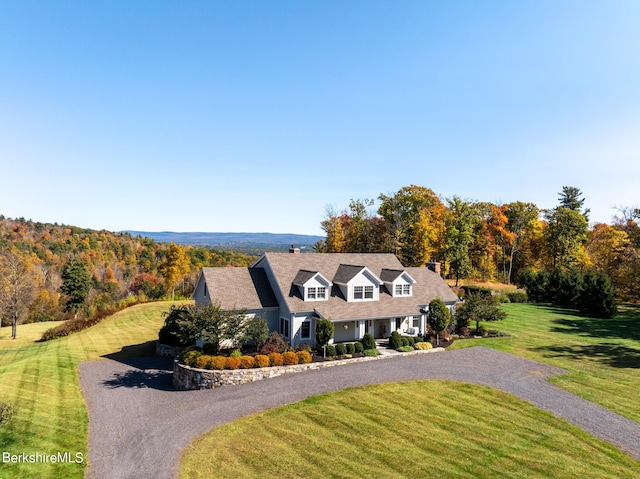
pixel 258 116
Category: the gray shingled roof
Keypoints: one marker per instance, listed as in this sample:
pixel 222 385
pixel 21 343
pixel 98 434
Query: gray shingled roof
pixel 390 275
pixel 303 276
pixel 286 267
pixel 237 288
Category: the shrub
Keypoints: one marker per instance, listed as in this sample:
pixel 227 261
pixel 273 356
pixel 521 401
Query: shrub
pixel 341 350
pixel 246 362
pixel 371 352
pixel 204 361
pixel 481 331
pixel 232 363
pixel 419 339
pixel 368 342
pixel 276 359
pixel 503 298
pixel 268 349
pixel 412 340
pixel 262 361
pixel 7 411
pixel 331 350
pixel 209 348
pixel 468 289
pixel 404 342
pixel 218 362
pixel 166 336
pixel 350 348
pixel 422 346
pixel 395 341
pixel 290 358
pixel 405 349
pixel 304 357
pixel 518 296
pixel 276 340
pixel 190 356
pixel 358 347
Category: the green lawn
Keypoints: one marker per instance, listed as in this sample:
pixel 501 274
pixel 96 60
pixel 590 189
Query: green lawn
pixel 601 355
pixel 41 379
pixel 412 429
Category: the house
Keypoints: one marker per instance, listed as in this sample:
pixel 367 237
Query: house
pixel 359 292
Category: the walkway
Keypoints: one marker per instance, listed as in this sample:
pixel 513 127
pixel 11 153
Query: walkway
pixel 138 426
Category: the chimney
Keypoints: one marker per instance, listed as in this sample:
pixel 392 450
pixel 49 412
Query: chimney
pixel 294 250
pixel 434 266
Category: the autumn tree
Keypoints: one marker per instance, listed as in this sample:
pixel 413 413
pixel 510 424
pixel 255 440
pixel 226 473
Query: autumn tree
pixel 415 219
pixel 174 267
pixel 520 223
pixel 17 287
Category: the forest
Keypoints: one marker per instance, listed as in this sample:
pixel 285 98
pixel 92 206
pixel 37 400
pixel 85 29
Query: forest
pixel 490 242
pixel 51 272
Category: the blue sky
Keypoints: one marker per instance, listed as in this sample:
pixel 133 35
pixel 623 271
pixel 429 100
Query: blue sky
pixel 254 116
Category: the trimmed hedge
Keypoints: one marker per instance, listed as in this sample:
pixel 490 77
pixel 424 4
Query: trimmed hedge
pixel 341 349
pixel 405 349
pixel 422 346
pixel 358 347
pixel 304 357
pixel 350 348
pixel 247 362
pixel 232 363
pixel 371 352
pixel 290 358
pixel 262 361
pixel 276 359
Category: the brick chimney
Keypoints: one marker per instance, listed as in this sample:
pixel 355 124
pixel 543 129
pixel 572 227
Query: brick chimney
pixel 434 266
pixel 294 250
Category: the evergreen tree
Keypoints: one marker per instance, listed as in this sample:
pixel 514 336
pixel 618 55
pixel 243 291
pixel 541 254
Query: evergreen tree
pixel 76 284
pixel 439 317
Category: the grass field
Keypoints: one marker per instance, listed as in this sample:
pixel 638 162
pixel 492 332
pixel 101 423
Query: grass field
pixel 41 379
pixel 449 429
pixel 434 428
pixel 601 355
pixel 412 429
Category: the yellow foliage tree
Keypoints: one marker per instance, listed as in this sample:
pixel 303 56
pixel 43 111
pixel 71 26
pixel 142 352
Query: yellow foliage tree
pixel 175 267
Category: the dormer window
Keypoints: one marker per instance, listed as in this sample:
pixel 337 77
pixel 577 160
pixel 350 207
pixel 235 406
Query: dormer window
pixel 316 293
pixel 403 290
pixel 312 286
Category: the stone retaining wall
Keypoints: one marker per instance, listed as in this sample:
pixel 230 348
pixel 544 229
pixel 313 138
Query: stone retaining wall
pixel 168 351
pixel 188 378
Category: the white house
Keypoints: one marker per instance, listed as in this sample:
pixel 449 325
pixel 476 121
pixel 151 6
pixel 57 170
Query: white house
pixel 359 292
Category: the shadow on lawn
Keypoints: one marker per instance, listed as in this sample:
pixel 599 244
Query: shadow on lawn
pixel 614 355
pixel 624 326
pixel 149 371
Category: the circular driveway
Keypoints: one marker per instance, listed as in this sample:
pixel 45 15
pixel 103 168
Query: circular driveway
pixel 139 425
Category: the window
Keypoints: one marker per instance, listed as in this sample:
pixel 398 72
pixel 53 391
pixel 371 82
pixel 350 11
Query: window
pixel 284 327
pixel 398 290
pixel 368 292
pixel 402 290
pixel 305 330
pixel 358 292
pixel 406 289
pixel 311 293
pixel 416 321
pixel 322 292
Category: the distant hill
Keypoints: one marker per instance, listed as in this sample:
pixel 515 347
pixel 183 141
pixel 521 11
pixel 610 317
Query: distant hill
pixel 239 241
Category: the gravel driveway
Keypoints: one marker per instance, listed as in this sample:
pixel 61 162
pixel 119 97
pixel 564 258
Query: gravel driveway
pixel 138 425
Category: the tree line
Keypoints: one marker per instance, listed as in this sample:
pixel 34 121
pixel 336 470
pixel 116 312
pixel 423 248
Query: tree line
pixel 51 272
pixel 490 242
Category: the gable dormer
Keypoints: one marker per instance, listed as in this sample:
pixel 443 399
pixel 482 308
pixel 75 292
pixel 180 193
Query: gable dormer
pixel 357 283
pixel 398 282
pixel 312 285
